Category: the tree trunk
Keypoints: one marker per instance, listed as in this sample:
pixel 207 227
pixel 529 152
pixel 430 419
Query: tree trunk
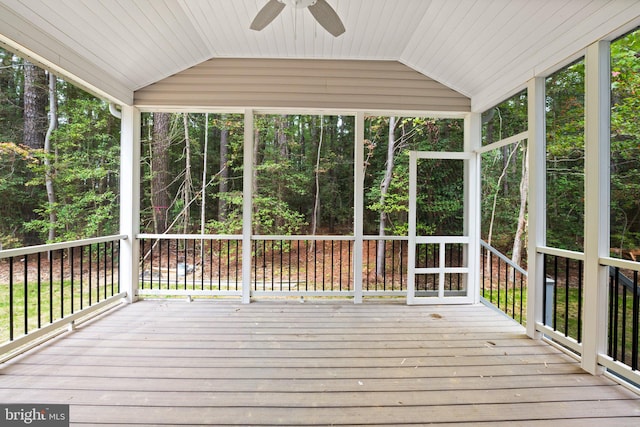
pixel 53 125
pixel 160 143
pixel 384 188
pixel 516 256
pixel 283 152
pixel 203 192
pixel 254 177
pixel 316 202
pixel 223 186
pixel 495 196
pixel 35 103
pixel 187 188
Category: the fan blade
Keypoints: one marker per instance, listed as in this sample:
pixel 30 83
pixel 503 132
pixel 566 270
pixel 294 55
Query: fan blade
pixel 327 17
pixel 267 14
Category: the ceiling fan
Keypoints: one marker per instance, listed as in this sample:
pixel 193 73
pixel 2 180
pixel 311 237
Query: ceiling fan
pixel 320 9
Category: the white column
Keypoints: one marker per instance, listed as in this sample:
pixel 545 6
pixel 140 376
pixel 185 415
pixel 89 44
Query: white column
pixel 537 202
pixel 472 189
pixel 596 223
pixel 130 201
pixel 247 205
pixel 411 253
pixel 358 207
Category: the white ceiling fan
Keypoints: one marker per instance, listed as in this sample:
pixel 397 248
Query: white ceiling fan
pixel 320 9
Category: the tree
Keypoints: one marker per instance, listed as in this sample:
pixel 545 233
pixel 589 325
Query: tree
pixel 160 144
pixel 48 181
pixel 11 97
pixel 223 186
pixel 384 188
pixel 35 103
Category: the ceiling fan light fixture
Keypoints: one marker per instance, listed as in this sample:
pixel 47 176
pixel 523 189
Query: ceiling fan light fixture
pixel 301 4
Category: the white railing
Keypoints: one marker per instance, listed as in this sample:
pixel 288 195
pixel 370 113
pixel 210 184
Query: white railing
pixel 48 288
pixel 280 265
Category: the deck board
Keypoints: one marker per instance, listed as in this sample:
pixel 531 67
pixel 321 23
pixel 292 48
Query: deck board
pixel 317 363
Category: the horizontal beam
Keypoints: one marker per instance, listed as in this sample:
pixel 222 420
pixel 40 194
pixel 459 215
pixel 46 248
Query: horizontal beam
pixel 29 250
pixel 560 253
pixel 506 141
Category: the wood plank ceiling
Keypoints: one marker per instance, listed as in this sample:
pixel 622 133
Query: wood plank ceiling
pixel 484 49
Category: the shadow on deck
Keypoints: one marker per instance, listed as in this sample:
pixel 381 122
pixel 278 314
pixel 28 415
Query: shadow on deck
pixel 317 363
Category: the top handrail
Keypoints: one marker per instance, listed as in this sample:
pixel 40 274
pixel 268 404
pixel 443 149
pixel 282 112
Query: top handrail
pixel 503 257
pixel 265 237
pixel 28 250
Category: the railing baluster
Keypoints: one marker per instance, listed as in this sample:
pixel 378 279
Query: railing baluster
pixel 220 264
pixel 491 275
pixel 194 265
pixel 281 262
pixel 579 334
pixel 616 300
pixel 50 253
pixel 105 283
pixel 112 268
pixel 26 294
pixel 273 263
pixel 290 249
pixel 402 252
pixel 499 276
pixel 623 341
pixel 634 323
pixel 566 297
pixel 513 298
pixel 610 325
pixel 61 283
pixel 544 289
pixel 340 265
pixel 521 296
pixel 555 293
pixel 72 272
pixel 347 273
pixel 39 303
pixel 11 298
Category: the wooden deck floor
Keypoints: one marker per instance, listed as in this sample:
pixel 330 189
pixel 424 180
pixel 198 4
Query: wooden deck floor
pixel 317 363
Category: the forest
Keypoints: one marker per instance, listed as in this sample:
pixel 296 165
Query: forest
pixel 59 166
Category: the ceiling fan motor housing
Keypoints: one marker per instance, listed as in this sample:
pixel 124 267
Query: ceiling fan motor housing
pixel 300 4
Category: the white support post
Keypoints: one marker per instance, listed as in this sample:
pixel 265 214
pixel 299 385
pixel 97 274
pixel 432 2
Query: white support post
pixel 596 224
pixel 537 203
pixel 130 201
pixel 472 188
pixel 247 205
pixel 358 207
pixel 411 254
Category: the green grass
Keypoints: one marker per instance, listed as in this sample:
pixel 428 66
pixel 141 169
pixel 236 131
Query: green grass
pixel 513 301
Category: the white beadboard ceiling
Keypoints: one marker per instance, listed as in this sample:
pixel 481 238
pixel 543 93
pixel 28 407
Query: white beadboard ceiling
pixel 484 49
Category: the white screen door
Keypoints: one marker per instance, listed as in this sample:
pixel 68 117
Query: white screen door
pixel 439 242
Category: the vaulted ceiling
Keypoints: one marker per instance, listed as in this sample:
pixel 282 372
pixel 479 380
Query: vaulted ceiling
pixel 484 49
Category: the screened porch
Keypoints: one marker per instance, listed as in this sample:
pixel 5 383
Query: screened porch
pixel 357 327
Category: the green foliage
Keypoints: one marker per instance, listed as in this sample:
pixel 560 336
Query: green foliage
pixel 502 171
pixel 11 102
pixel 506 119
pixel 18 200
pixel 625 143
pixel 85 165
pixel 565 157
pixel 438 203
